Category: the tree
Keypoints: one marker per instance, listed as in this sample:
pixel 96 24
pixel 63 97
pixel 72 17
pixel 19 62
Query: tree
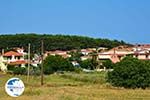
pixel 75 56
pixel 130 73
pixel 88 64
pixel 56 63
pixel 108 64
pixel 94 60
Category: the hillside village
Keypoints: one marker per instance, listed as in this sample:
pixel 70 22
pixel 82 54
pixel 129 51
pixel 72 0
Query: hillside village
pixel 75 49
pixel 19 58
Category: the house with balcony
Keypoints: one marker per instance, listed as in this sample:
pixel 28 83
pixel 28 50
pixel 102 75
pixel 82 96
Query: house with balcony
pixel 14 58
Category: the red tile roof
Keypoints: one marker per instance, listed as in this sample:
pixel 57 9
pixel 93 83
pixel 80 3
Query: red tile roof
pixel 10 53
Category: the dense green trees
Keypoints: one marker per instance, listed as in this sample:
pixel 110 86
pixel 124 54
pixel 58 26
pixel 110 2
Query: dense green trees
pixel 56 63
pixel 88 64
pixel 130 73
pixel 16 70
pixel 53 42
pixel 75 56
pixel 108 64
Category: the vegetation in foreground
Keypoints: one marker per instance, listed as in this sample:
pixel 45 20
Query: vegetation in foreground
pixel 72 86
pixel 130 73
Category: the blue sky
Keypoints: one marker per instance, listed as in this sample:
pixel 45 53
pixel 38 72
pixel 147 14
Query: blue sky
pixel 127 20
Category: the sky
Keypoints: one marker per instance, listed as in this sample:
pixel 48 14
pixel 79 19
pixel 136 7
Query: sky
pixel 127 20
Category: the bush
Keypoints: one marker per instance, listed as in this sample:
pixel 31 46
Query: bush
pixel 35 70
pixel 19 71
pixel 16 70
pixel 10 67
pixel 56 63
pixel 78 70
pixel 130 73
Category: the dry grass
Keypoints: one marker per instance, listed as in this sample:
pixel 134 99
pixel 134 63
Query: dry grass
pixel 59 88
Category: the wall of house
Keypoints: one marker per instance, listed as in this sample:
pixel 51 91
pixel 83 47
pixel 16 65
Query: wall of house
pixel 104 56
pixel 141 56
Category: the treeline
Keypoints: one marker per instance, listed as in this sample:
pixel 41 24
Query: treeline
pixel 54 42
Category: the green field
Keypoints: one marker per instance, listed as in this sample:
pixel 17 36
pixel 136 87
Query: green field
pixel 72 86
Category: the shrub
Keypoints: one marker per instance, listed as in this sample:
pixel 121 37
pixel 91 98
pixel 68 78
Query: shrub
pixel 78 70
pixel 35 70
pixel 16 70
pixel 130 73
pixel 10 67
pixel 23 71
pixel 19 71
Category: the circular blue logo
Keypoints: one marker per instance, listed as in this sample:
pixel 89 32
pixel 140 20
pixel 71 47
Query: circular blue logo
pixel 14 87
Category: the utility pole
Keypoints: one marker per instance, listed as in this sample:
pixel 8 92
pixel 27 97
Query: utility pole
pixel 42 50
pixel 28 62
